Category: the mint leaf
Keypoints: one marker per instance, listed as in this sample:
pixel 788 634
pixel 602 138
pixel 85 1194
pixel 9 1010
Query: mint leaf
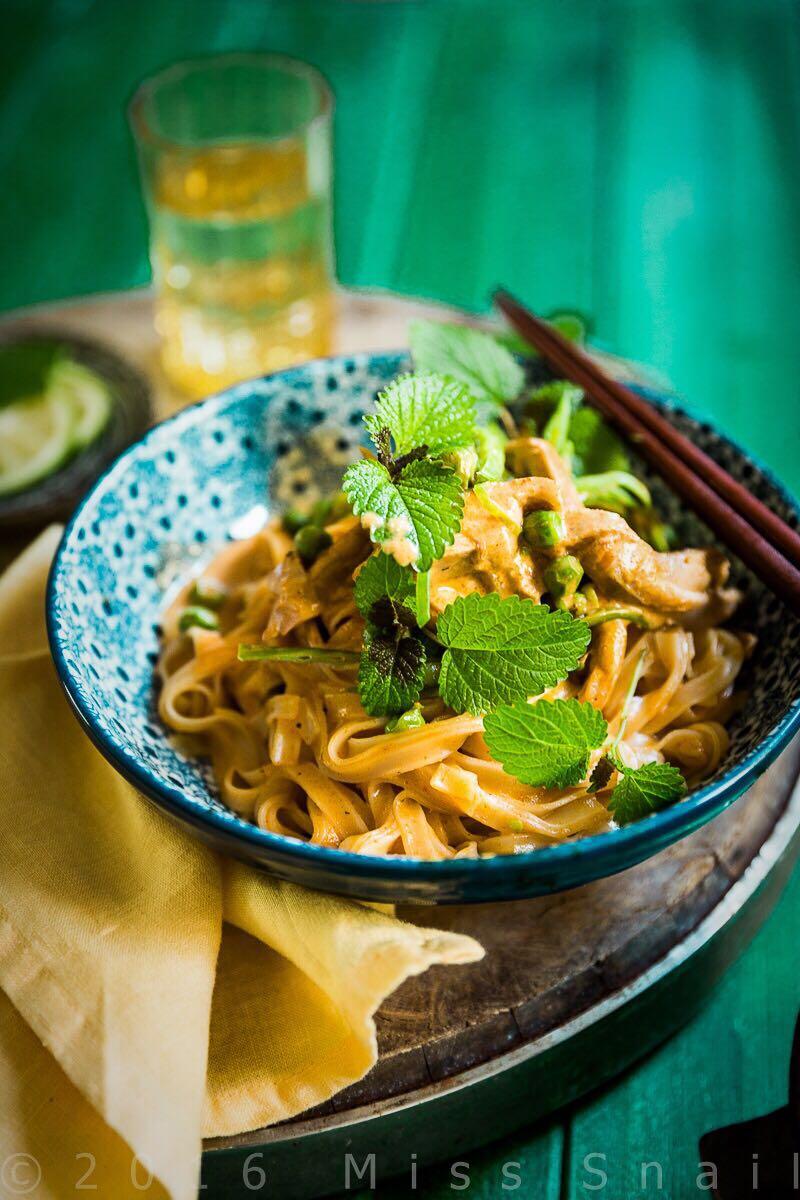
pixel 391 673
pixel 504 649
pixel 596 447
pixel 546 744
pixel 424 410
pixel 475 358
pixel 570 325
pixel 644 790
pixel 490 444
pixel 382 579
pixel 415 516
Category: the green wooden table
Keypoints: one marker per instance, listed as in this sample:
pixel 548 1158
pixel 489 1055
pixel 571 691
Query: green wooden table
pixel 637 160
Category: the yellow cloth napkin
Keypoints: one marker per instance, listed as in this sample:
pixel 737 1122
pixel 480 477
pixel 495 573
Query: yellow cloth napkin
pixel 134 1020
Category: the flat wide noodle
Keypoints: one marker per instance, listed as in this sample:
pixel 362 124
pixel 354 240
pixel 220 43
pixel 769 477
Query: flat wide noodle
pixel 293 751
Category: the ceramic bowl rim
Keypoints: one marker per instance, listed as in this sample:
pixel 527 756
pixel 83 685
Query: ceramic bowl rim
pixel 239 835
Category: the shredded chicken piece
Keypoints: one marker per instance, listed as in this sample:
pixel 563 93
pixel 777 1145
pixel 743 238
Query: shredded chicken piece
pixel 297 590
pixel 335 566
pixel 535 456
pixel 486 555
pixel 518 497
pixel 295 598
pixel 349 635
pixel 689 582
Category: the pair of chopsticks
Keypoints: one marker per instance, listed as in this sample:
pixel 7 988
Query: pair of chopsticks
pixel 752 531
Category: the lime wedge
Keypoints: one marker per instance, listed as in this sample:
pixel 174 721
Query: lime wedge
pixel 90 398
pixel 36 436
pixel 40 431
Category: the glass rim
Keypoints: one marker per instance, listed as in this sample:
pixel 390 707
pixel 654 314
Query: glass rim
pixel 145 133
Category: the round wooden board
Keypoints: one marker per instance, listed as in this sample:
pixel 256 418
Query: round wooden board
pixel 573 988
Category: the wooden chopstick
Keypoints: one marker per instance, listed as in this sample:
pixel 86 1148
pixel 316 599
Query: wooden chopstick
pixel 731 512
pixel 787 540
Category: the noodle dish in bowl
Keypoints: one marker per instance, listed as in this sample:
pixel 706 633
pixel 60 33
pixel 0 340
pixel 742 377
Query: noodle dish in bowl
pixel 420 628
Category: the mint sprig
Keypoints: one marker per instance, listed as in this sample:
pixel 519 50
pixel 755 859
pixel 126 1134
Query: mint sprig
pixel 415 516
pixel 497 652
pixel 550 743
pixel 644 790
pixel 547 744
pixel 504 649
pixel 412 505
pixel 468 355
pixel 424 410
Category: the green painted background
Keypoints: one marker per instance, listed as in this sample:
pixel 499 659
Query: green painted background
pixel 637 160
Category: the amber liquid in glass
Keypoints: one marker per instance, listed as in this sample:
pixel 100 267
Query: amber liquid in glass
pixel 241 264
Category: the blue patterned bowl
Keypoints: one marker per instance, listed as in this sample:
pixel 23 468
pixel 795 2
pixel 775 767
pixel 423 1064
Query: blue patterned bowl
pixel 213 473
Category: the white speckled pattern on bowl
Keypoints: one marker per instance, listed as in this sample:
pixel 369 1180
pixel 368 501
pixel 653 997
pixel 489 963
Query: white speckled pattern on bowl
pixel 212 473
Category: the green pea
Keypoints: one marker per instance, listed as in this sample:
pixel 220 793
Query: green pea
pixel 412 718
pixel 199 616
pixel 578 605
pixel 543 530
pixel 562 577
pixel 310 541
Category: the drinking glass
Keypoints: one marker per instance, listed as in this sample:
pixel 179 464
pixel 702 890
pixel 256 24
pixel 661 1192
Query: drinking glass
pixel 235 156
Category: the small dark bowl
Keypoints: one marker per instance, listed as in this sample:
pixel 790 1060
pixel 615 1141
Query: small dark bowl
pixel 213 473
pixel 55 497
